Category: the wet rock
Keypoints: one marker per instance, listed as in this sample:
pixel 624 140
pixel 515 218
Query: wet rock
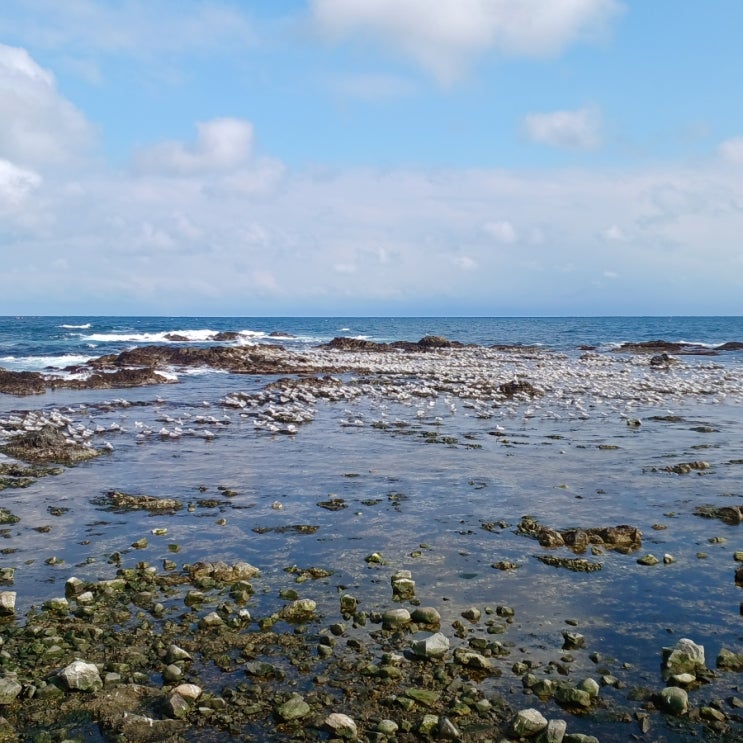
pixel 190 692
pixel 674 700
pixel 127 502
pixel 472 659
pixel 590 686
pixel 572 640
pixel 294 708
pixel 684 468
pixel 732 515
pixel 448 730
pixel 396 618
pixel 473 614
pixel 528 723
pixel 729 661
pixel 428 725
pixel 349 604
pixel 387 727
pixel 572 697
pixel 342 725
pixel 685 657
pixel 9 690
pixel 575 564
pixel 299 610
pixel 426 615
pixel 81 676
pixel 426 697
pixel 623 538
pixel 433 646
pixel 48 445
pixel 554 732
pixel 21 383
pixel 403 586
pixel 146 729
pixel 649 560
pixel 7 603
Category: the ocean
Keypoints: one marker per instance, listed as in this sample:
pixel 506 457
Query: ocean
pixel 422 459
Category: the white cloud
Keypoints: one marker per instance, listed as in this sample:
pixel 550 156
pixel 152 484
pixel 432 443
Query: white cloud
pixel 221 145
pixel 445 35
pixel 502 232
pixel 38 127
pixel 731 150
pixel 138 28
pixel 465 263
pixel 614 234
pixel 579 129
pixel 15 185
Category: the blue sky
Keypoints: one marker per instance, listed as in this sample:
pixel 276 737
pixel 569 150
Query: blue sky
pixel 383 157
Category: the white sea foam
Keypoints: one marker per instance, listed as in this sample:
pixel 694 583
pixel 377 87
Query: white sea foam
pixel 204 335
pixel 75 327
pixel 38 363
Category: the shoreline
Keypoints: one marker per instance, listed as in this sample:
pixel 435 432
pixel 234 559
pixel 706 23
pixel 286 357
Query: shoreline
pixel 403 430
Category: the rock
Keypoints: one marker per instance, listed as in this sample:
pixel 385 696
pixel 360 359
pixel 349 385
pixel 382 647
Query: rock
pixel 426 697
pixel 81 676
pixel 433 646
pixel 147 729
pixel 58 605
pixel 7 603
pixel 570 696
pixel 685 657
pixel 528 723
pixel 572 640
pixel 472 659
pixel 448 730
pixel 299 610
pixel 177 706
pixel 426 615
pixel 349 604
pixel 428 725
pixel 175 653
pixel 387 727
pixel 396 618
pixel 294 708
pixel 674 700
pixel 190 692
pixel 172 673
pixel 729 661
pixel 554 732
pixel 647 560
pixel 73 587
pixel 9 690
pixel 590 686
pixel 712 714
pixel 342 725
pixel 211 620
pixel 472 613
pixel 403 586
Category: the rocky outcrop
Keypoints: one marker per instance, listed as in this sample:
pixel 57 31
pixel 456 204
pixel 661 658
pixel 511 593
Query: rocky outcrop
pixel 622 538
pixel 427 343
pixel 48 445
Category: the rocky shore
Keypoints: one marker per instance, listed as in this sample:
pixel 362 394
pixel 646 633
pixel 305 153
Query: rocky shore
pixel 176 653
pixel 165 649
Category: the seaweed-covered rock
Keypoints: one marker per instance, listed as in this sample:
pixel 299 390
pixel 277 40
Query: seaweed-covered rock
pixel 127 502
pixel 81 676
pixel 48 445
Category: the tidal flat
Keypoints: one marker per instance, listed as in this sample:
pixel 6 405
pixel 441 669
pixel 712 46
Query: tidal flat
pixel 362 481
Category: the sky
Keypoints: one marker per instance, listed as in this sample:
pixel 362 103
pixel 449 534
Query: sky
pixel 371 157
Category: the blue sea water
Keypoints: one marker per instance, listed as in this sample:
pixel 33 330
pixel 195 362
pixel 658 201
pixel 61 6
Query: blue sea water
pixel 435 480
pixel 34 343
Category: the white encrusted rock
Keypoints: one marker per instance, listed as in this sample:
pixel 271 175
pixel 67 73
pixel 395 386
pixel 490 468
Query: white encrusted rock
pixel 81 676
